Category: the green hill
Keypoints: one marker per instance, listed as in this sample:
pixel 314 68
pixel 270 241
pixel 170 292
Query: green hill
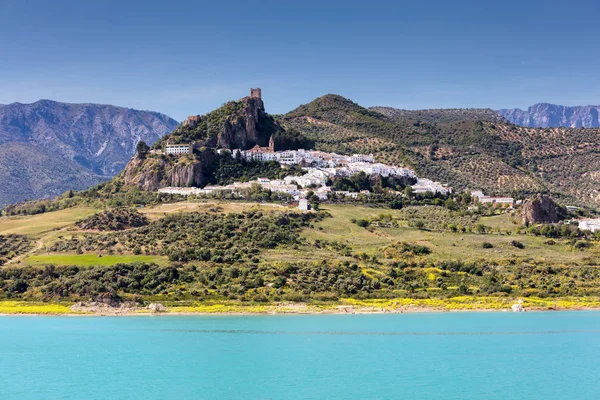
pixel 495 156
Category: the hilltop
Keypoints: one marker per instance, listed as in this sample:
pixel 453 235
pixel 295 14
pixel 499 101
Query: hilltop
pixel 237 124
pixel 240 124
pixel 49 147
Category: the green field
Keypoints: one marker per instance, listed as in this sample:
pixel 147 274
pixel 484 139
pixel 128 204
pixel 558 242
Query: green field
pixel 88 260
pixel 35 225
pixel 161 210
pixel 445 245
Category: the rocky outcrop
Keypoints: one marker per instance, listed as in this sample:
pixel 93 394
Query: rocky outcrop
pixel 539 209
pixel 102 308
pixel 157 308
pixel 240 124
pixel 544 115
pixel 518 306
pixel 243 131
pixel 156 171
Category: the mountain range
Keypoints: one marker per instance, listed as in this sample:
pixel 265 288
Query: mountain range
pixel 48 147
pixel 544 115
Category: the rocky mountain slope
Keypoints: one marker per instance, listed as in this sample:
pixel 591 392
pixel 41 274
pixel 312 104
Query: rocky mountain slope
pixel 441 115
pixel 49 147
pixel 237 124
pixel 544 115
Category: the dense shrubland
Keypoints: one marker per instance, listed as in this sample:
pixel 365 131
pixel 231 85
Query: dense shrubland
pixel 374 183
pixel 427 217
pixel 209 125
pixel 114 219
pixel 184 237
pixel 11 246
pixel 291 140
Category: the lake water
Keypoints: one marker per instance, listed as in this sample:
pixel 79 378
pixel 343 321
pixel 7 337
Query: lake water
pixel 535 355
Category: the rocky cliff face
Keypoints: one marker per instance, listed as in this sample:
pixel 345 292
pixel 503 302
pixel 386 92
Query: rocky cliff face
pixel 545 115
pixel 247 129
pixel 80 145
pixel 540 209
pixel 154 172
pixel 238 124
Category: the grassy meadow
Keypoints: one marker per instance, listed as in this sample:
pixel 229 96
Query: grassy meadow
pixel 87 260
pixel 444 245
pixel 37 225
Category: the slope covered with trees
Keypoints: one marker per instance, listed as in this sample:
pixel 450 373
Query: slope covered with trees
pixel 461 151
pixel 441 115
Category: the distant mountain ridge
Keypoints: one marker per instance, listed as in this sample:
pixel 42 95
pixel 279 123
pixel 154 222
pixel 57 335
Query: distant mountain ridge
pixel 544 115
pixel 48 147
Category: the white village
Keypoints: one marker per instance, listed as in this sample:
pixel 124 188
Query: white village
pixel 319 167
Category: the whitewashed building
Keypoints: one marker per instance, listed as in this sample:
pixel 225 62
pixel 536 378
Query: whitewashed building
pixel 494 201
pixel 178 149
pixel 303 205
pixel 185 191
pixel 589 224
pixel 426 185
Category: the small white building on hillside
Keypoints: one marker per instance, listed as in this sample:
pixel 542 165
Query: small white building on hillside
pixel 303 205
pixel 178 149
pixel 589 224
pixel 494 201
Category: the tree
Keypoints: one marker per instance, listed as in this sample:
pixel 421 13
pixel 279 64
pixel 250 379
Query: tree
pixel 142 149
pixel 408 192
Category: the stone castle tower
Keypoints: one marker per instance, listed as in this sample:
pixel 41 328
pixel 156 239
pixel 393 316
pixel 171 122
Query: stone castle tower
pixel 255 93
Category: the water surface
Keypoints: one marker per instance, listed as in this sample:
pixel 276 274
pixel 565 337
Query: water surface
pixel 523 356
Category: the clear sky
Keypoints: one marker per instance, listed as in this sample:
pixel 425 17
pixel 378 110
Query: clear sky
pixel 187 57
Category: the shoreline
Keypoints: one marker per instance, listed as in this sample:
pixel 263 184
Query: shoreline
pixel 302 310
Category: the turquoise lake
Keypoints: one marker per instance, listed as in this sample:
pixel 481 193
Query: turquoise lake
pixel 534 355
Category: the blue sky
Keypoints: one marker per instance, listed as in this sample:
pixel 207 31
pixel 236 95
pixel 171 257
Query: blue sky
pixel 189 57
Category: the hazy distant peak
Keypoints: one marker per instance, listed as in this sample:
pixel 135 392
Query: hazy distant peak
pixel 546 115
